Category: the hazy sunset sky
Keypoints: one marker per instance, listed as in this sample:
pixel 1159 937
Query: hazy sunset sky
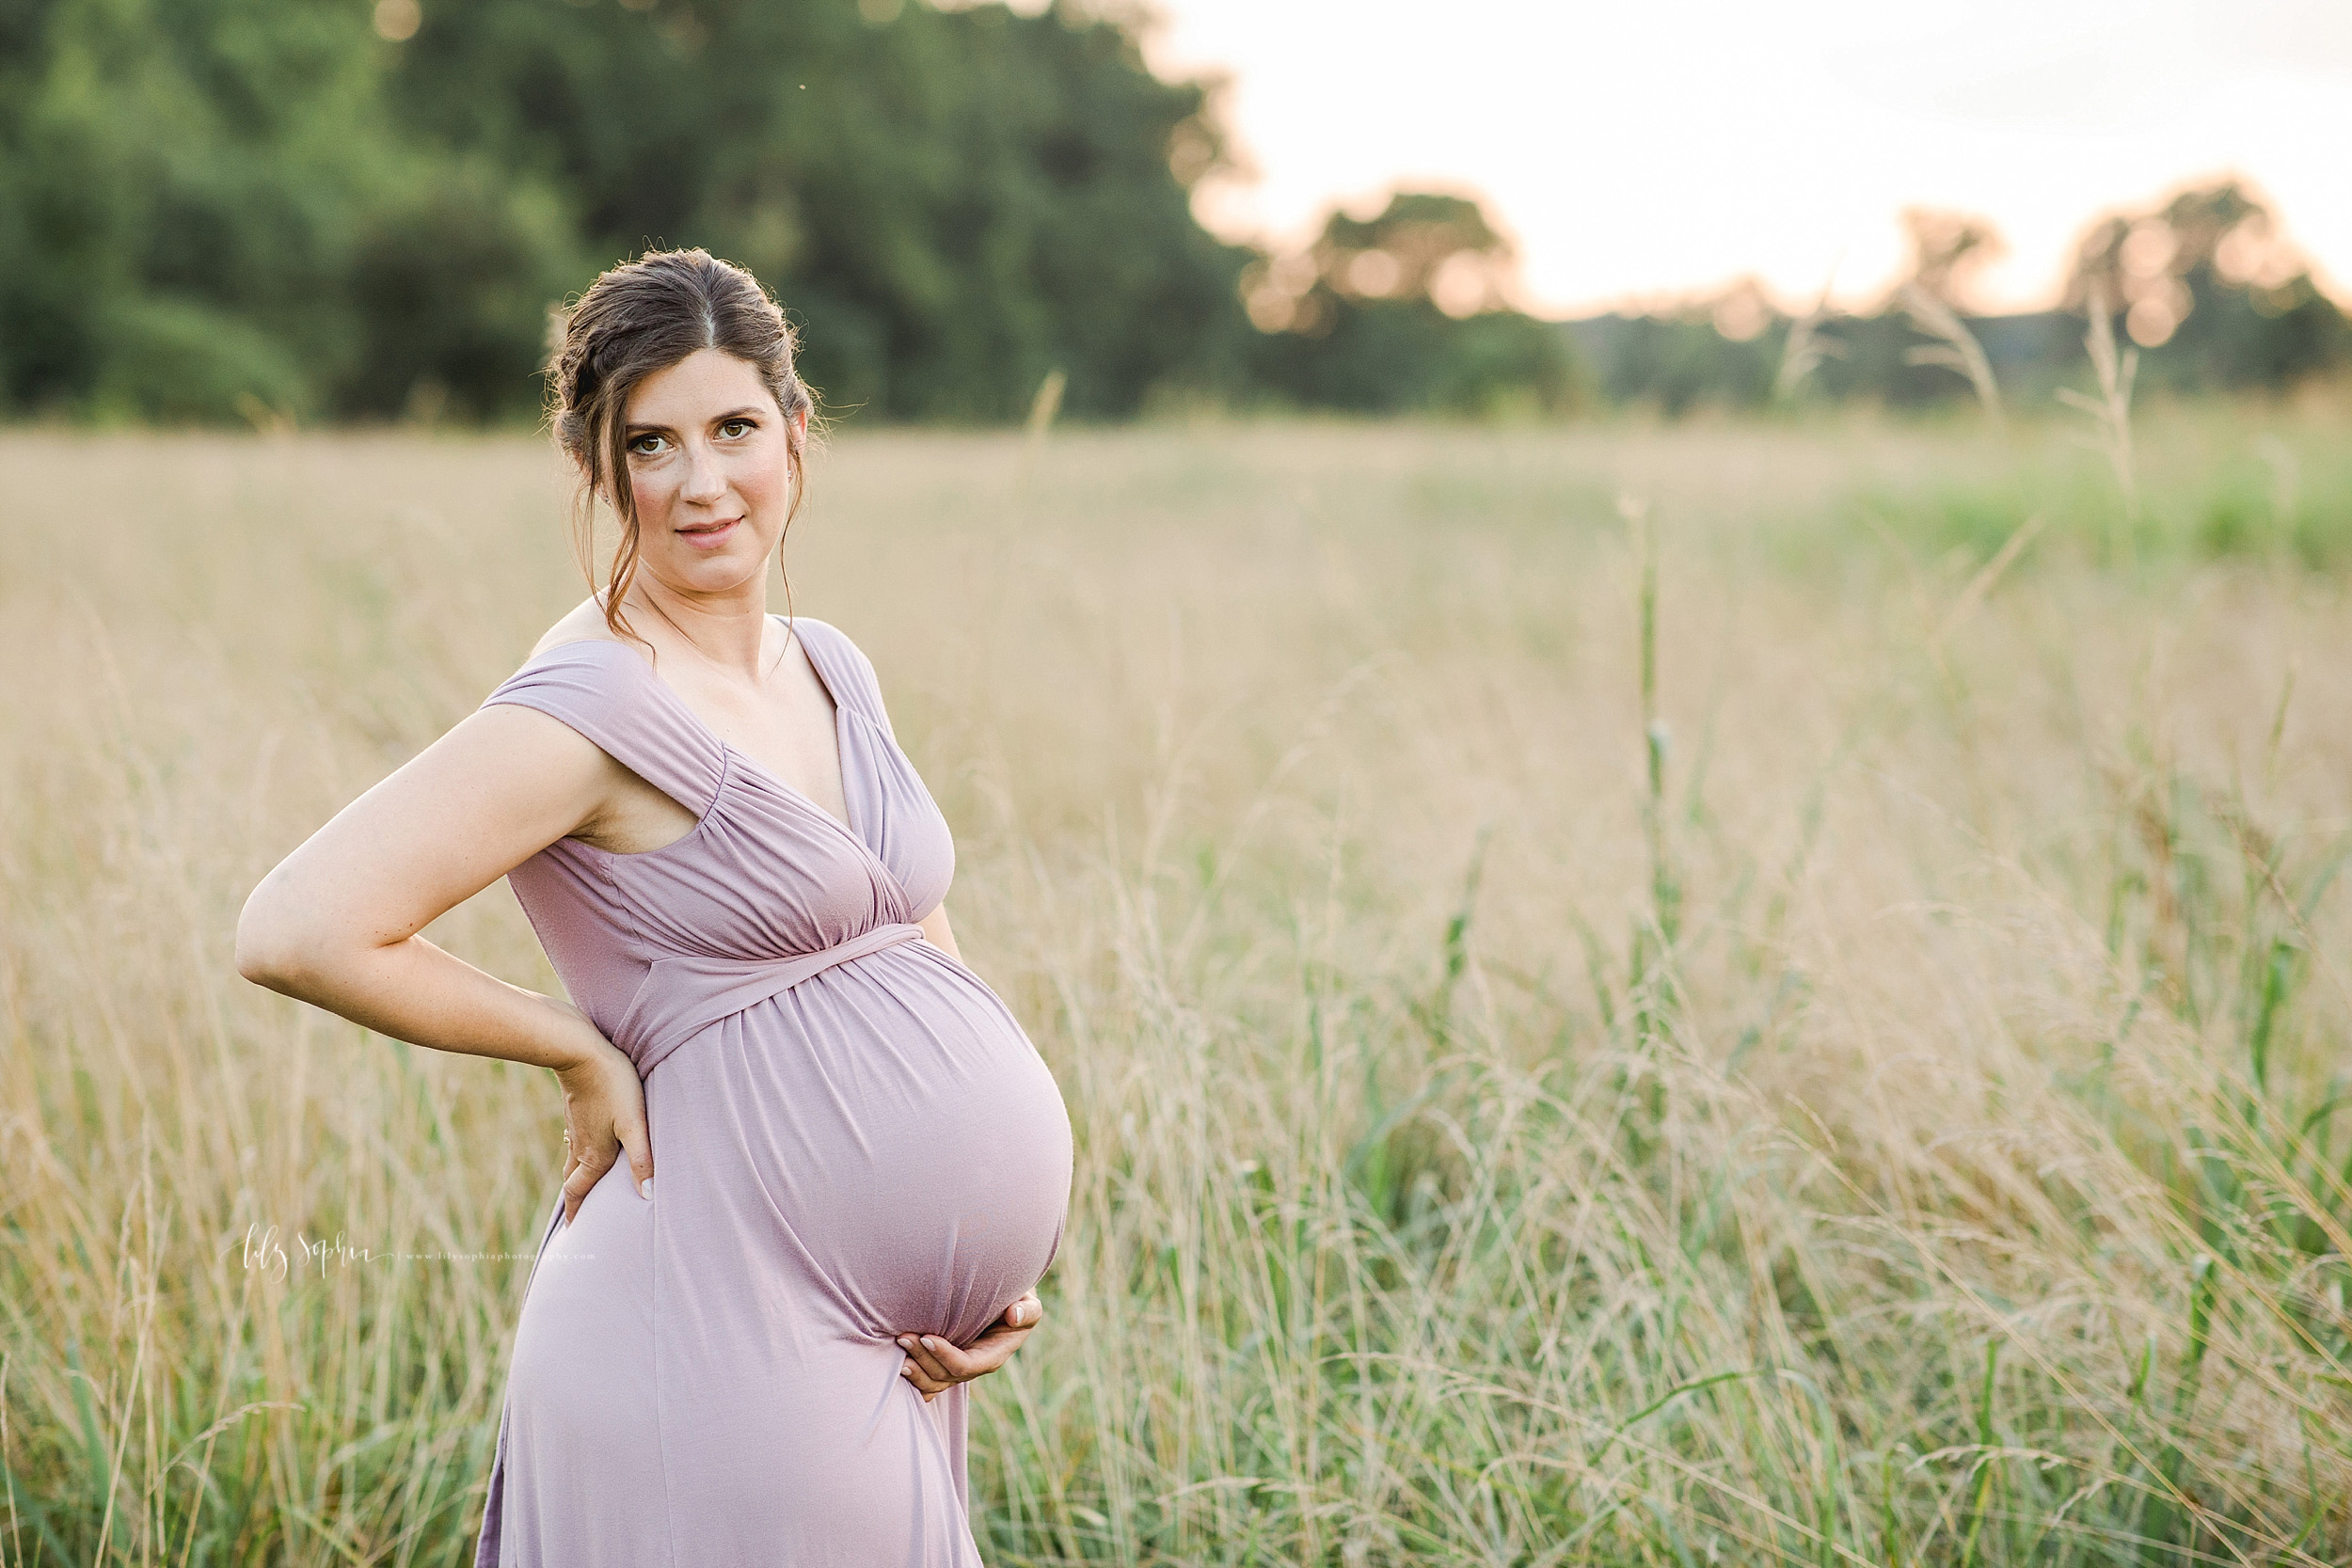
pixel 1639 150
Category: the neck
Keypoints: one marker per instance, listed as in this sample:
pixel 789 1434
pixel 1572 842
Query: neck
pixel 730 630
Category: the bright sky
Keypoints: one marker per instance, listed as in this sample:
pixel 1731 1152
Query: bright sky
pixel 1647 148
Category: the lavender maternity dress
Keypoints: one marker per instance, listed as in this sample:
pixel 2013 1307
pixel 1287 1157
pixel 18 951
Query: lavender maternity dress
pixel 853 1139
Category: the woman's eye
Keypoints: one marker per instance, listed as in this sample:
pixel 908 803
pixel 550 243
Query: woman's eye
pixel 735 427
pixel 644 446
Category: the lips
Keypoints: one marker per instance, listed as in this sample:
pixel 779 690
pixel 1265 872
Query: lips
pixel 709 537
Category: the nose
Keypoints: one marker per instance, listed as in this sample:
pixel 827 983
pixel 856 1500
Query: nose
pixel 706 482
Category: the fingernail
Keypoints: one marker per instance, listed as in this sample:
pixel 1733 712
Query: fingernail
pixel 646 1191
pixel 931 1341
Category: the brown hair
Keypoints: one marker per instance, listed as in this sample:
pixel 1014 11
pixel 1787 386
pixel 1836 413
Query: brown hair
pixel 640 317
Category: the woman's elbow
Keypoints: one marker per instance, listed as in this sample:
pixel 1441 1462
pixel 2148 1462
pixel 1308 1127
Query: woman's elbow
pixel 272 946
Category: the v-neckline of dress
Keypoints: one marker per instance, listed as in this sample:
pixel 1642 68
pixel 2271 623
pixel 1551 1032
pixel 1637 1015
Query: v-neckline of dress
pixel 736 757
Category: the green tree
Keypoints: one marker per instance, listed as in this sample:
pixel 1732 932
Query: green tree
pixel 198 199
pixel 2207 282
pixel 208 206
pixel 953 203
pixel 1405 312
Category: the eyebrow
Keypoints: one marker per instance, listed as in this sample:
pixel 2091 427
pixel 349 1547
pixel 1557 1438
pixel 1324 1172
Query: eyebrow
pixel 746 412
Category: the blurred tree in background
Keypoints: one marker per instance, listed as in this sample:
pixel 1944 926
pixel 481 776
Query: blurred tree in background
pixel 1405 312
pixel 955 203
pixel 2208 280
pixel 1720 353
pixel 184 188
pixel 1947 248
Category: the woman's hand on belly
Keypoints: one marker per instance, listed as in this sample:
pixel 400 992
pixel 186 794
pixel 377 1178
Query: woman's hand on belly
pixel 934 1366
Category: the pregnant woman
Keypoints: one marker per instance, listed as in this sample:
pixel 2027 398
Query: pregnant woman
pixel 864 1164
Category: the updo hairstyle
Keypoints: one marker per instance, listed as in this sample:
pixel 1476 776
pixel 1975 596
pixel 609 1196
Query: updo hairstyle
pixel 640 317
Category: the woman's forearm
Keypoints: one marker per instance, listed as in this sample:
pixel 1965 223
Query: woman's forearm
pixel 415 992
pixel 338 922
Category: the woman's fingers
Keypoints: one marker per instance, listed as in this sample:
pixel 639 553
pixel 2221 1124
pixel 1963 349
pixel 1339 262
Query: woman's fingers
pixel 925 1369
pixel 946 1363
pixel 637 1143
pixel 933 1365
pixel 587 1170
pixel 923 1360
pixel 605 1118
pixel 984 1354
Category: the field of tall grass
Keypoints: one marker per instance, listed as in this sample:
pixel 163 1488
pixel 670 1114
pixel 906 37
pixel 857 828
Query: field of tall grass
pixel 1663 995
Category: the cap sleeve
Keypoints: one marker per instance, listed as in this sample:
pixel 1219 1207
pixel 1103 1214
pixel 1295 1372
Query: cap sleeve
pixel 607 691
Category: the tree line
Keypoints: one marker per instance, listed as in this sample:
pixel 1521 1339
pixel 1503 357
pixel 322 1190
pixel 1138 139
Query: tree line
pixel 339 208
pixel 313 209
pixel 2202 285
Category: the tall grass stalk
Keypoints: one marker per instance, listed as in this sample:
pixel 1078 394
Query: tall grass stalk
pixel 1804 349
pixel 2110 411
pixel 1955 347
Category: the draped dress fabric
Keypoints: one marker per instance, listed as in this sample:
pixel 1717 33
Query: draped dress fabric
pixel 851 1136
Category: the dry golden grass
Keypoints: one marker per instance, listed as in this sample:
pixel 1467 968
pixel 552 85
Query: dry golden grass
pixel 1905 1137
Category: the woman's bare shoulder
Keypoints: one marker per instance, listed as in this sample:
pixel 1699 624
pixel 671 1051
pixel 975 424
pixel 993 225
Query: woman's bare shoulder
pixel 584 623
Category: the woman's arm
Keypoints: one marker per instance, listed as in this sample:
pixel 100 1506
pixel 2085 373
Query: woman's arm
pixel 336 923
pixel 935 931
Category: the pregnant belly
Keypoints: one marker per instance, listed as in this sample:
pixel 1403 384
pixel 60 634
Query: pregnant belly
pixel 882 1140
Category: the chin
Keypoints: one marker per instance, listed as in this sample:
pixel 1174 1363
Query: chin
pixel 716 574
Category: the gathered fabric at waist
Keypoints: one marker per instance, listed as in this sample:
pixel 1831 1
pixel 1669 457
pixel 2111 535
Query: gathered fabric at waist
pixel 683 996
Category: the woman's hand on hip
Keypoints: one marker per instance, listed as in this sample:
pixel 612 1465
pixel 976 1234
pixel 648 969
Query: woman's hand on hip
pixel 934 1366
pixel 604 1115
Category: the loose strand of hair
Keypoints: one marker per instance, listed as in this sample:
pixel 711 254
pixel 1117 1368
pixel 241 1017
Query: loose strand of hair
pixel 800 488
pixel 626 540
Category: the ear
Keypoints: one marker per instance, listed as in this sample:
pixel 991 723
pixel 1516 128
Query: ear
pixel 799 425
